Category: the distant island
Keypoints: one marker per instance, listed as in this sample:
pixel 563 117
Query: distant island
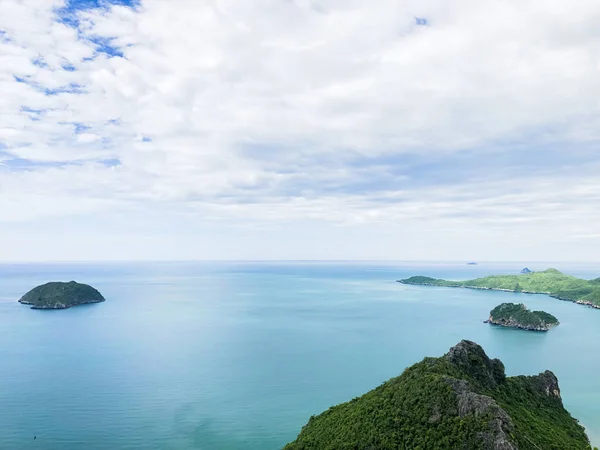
pixel 60 295
pixel 526 270
pixel 471 263
pixel 516 315
pixel 550 282
pixel 462 400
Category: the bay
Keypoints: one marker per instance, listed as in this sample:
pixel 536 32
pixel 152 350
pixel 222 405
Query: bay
pixel 230 355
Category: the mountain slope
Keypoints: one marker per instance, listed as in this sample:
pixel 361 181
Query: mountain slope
pixel 462 400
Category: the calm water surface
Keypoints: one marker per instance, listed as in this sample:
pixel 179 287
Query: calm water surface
pixel 238 355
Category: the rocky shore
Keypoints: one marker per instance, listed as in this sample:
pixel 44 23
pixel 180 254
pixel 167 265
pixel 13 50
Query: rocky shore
pixel 515 324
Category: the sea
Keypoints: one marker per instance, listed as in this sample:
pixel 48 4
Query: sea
pixel 239 355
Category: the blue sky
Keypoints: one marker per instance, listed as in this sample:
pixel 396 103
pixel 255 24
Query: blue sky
pixel 301 129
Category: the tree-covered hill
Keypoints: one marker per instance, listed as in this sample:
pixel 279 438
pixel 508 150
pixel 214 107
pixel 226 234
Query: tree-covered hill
pixel 550 281
pixel 60 295
pixel 516 315
pixel 462 400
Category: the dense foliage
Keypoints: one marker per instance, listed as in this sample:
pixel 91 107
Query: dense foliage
pixel 540 421
pixel 424 410
pixel 59 295
pixel 550 281
pixel 518 314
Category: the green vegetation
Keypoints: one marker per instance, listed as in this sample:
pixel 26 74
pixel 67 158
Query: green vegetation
pixel 59 295
pixel 518 316
pixel 551 281
pixel 462 400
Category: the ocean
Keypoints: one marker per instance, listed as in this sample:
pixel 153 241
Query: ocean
pixel 238 355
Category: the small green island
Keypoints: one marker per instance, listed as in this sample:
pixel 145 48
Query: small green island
pixel 61 295
pixel 516 315
pixel 550 282
pixel 462 400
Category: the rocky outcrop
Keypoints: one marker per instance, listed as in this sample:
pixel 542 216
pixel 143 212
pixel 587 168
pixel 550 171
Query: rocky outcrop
pixel 512 323
pixel 470 358
pixel 548 384
pixel 500 426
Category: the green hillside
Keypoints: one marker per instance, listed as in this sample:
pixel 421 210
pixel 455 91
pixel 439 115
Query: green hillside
pixel 550 281
pixel 462 400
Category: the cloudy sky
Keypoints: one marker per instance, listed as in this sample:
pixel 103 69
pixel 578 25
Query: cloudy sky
pixel 300 129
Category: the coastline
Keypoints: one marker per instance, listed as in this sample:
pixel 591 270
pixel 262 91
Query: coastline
pixel 518 327
pixel 58 306
pixel 594 439
pixel 481 288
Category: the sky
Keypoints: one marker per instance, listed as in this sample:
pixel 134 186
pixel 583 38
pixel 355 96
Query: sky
pixel 299 129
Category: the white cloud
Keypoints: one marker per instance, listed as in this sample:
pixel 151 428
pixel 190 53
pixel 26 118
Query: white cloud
pixel 283 111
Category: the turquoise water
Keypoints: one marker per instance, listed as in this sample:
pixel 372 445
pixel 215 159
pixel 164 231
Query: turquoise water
pixel 239 355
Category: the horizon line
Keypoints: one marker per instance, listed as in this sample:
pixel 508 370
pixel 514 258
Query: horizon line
pixel 443 261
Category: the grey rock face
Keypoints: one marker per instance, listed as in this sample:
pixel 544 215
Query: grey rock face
pixel 513 323
pixel 548 384
pixel 500 426
pixel 470 358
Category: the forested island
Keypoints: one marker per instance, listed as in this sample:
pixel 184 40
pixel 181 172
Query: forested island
pixel 61 295
pixel 515 315
pixel 462 400
pixel 551 282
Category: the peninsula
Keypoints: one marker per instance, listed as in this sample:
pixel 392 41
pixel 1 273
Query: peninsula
pixel 60 295
pixel 515 315
pixel 550 282
pixel 462 400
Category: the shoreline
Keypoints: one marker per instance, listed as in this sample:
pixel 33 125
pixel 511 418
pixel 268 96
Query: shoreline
pixel 518 327
pixel 594 439
pixel 59 306
pixel 481 288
